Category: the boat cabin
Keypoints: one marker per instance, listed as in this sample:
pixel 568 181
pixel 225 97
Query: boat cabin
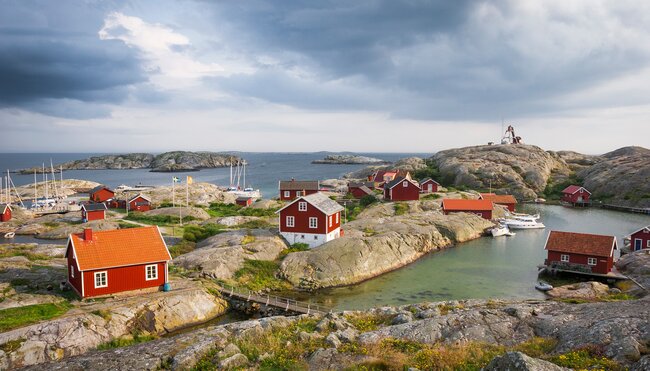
pixel 100 194
pixel 313 219
pixel 244 201
pixel 402 189
pixel 109 262
pixel 576 195
pixel 358 190
pixel 5 212
pixel 580 252
pixel 509 201
pixel 292 189
pixel 482 208
pixel 640 239
pixel 91 212
pixel 429 185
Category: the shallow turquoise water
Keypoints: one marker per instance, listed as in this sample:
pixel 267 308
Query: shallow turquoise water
pixel 504 267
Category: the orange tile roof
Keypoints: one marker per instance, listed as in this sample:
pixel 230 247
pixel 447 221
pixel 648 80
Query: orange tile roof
pixel 580 243
pixel 499 199
pixel 449 204
pixel 119 247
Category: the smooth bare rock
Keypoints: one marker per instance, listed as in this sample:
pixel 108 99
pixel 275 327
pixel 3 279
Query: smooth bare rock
pixel 407 164
pixel 517 361
pixel 267 204
pixel 582 290
pixel 220 256
pixel 636 265
pixel 202 194
pixel 373 245
pixel 193 212
pixel 64 230
pixel 231 221
pixel 236 361
pixel 67 188
pixel 331 359
pixel 577 161
pixel 32 229
pixel 349 160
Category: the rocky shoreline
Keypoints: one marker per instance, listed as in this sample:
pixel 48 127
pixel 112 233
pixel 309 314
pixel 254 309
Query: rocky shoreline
pixel 350 160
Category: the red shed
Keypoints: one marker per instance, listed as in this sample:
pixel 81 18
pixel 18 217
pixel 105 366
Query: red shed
pixel 93 212
pixel 244 201
pixel 482 208
pixel 401 189
pixel 429 185
pixel 359 190
pixel 580 252
pixel 313 219
pixel 100 194
pixel 291 189
pixel 640 239
pixel 139 203
pixel 576 195
pixel 5 212
pixel 508 201
pixel 108 262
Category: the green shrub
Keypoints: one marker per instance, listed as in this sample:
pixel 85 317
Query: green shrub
pixel 157 219
pixel 126 341
pixel 196 233
pixel 259 274
pixel 218 209
pixel 181 248
pixel 294 248
pixel 400 208
pixel 367 200
pixel 253 224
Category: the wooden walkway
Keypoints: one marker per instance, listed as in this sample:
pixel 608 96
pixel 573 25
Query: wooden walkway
pixel 637 210
pixel 286 304
pixel 614 274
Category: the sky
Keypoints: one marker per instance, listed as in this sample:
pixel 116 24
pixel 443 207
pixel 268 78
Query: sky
pixel 295 76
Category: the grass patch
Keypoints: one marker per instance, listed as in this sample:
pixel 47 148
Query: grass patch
pixel 253 224
pixel 19 282
pixel 16 317
pixel 446 308
pixel 157 219
pixel 259 274
pixel 125 225
pixel 21 251
pixel 431 196
pixel 400 208
pixel 247 239
pixel 106 315
pixel 589 358
pixel 369 232
pixel 196 233
pixel 181 248
pixel 296 247
pixel 126 341
pixel 626 285
pixel 218 209
pixel 369 322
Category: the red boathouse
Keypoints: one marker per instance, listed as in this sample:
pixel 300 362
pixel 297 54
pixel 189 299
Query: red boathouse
pixel 5 212
pixel 292 189
pixel 429 185
pixel 313 219
pixel 508 201
pixel 108 262
pixel 100 194
pixel 139 203
pixel 576 195
pixel 580 252
pixel 358 190
pixel 401 189
pixel 640 239
pixel 482 208
pixel 244 201
pixel 93 212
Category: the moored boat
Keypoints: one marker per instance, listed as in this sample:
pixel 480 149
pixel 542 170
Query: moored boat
pixel 501 230
pixel 10 235
pixel 543 286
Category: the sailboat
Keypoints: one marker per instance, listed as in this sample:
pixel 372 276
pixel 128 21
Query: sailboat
pixel 235 178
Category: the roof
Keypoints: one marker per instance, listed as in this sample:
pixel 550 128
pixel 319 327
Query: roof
pixel 299 185
pixel 499 199
pixel 380 174
pixel 466 205
pixel 99 188
pixel 93 207
pixel 3 208
pixel 425 180
pixel 319 201
pixel 581 243
pixel 397 181
pixel 139 195
pixel 119 248
pixel 243 198
pixel 573 189
pixel 637 231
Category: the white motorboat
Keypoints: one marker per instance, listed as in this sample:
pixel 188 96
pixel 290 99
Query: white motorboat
pixel 521 224
pixel 501 230
pixel 543 286
pixel 526 217
pixel 10 235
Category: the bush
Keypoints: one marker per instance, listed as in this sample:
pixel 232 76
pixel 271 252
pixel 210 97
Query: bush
pixel 181 248
pixel 259 274
pixel 126 341
pixel 367 200
pixel 156 219
pixel 218 209
pixel 294 248
pixel 196 233
pixel 400 208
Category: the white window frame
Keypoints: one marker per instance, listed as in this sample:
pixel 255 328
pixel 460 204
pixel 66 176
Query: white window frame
pixel 313 222
pixel 287 194
pixel 146 272
pixel 337 219
pixel 592 261
pixel 72 271
pixel 405 184
pixel 298 193
pixel 291 221
pixel 302 206
pixel 564 258
pixel 105 273
pixel 331 219
pixel 647 244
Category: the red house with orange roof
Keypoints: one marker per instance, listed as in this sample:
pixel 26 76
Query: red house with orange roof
pixel 574 194
pixel 580 252
pixel 482 208
pixel 5 212
pixel 508 201
pixel 108 262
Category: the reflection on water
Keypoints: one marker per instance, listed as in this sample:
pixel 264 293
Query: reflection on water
pixel 504 267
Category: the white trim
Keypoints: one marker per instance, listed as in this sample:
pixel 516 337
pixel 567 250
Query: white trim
pixel 405 179
pixel 567 256
pixel 83 287
pixel 640 244
pixel 293 221
pixel 646 228
pixel 331 218
pixel 301 204
pixel 315 219
pixel 164 243
pixel 576 191
pixel 139 195
pixel 317 208
pixel 71 271
pixel 95 274
pixel 337 217
pixel 590 260
pixel 287 193
pixel 146 272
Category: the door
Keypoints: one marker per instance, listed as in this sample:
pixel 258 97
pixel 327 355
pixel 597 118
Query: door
pixel 638 244
pixel 430 188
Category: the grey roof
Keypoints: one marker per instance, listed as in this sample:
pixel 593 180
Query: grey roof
pixel 3 208
pixel 299 185
pixel 99 187
pixel 319 201
pixel 361 184
pixel 93 207
pixel 397 181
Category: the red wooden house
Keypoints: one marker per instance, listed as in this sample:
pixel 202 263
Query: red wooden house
pixel 640 239
pixel 139 203
pixel 401 189
pixel 108 262
pixel 482 208
pixel 93 212
pixel 358 190
pixel 429 185
pixel 580 252
pixel 292 189
pixel 244 201
pixel 5 212
pixel 313 219
pixel 508 201
pixel 101 194
pixel 576 195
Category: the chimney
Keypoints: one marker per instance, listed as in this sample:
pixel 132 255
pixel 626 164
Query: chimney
pixel 88 234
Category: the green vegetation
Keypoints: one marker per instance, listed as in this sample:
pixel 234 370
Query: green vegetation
pixel 368 200
pixel 253 224
pixel 259 274
pixel 589 358
pixel 106 315
pixel 218 209
pixel 181 248
pixel 21 250
pixel 400 208
pixel 553 190
pixel 12 345
pixel 247 239
pixel 125 225
pixel 19 282
pixel 433 171
pixel 126 341
pixel 16 317
pixel 446 308
pixel 431 196
pixel 368 322
pixel 157 219
pixel 294 248
pixel 196 233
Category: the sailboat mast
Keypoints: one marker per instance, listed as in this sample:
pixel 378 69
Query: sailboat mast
pixel 231 172
pixel 244 173
pixel 56 191
pixel 35 190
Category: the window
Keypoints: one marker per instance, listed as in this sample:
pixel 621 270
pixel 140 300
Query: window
pixel 298 193
pixel 287 194
pixel 648 243
pixel 564 258
pixel 72 271
pixel 316 237
pixel 331 219
pixel 313 222
pixel 592 261
pixel 101 279
pixel 302 236
pixel 405 184
pixel 337 222
pixel 151 272
pixel 302 206
pixel 291 221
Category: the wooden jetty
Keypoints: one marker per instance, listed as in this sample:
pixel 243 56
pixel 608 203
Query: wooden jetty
pixel 638 210
pixel 614 274
pixel 285 304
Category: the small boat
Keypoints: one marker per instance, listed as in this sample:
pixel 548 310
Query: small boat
pixel 10 235
pixel 543 286
pixel 522 224
pixel 540 200
pixel 501 230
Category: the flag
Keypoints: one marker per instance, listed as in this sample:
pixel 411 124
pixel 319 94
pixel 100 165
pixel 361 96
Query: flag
pixel 190 180
pixel 175 179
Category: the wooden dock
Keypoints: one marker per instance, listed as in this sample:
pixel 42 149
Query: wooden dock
pixel 614 274
pixel 637 210
pixel 286 304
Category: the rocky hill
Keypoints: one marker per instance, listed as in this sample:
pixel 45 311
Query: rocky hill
pixel 164 162
pixel 349 160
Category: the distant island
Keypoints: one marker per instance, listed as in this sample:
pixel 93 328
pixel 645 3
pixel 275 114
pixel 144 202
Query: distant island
pixel 349 160
pixel 164 162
